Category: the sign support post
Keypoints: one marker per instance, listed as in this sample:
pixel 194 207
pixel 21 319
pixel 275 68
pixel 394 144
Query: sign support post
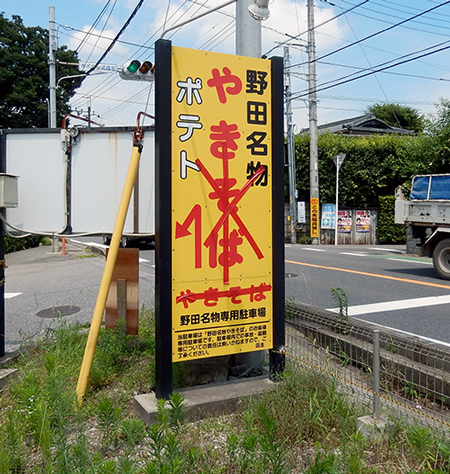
pixel 163 219
pixel 277 357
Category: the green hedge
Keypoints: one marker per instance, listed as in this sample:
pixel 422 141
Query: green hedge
pixel 13 245
pixel 388 231
pixel 374 166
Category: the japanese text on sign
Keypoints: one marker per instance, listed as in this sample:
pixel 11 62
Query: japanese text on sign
pixel 314 217
pixel 221 200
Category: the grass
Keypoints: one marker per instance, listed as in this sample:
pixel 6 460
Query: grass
pixel 303 425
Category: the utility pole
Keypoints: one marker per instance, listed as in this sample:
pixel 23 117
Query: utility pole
pixel 248 31
pixel 313 150
pixel 248 43
pixel 290 145
pixel 52 66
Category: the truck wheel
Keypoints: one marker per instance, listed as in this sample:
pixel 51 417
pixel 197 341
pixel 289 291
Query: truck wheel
pixel 441 259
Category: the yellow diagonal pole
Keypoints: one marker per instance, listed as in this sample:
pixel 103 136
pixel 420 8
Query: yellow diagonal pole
pixel 107 274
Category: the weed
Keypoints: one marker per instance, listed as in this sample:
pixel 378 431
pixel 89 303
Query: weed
pixel 108 421
pixel 410 391
pixel 341 300
pixel 132 431
pixel 323 464
pixel 43 429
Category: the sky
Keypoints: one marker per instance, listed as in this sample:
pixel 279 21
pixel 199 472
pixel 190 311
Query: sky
pixel 353 38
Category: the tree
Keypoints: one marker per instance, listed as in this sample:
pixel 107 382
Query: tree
pixel 398 116
pixel 24 77
pixel 438 130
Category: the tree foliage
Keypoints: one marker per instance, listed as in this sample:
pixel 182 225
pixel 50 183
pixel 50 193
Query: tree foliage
pixel 24 76
pixel 374 166
pixel 438 131
pixel 388 231
pixel 398 116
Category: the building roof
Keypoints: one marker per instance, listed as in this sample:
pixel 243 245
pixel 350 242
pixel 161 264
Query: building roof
pixel 366 124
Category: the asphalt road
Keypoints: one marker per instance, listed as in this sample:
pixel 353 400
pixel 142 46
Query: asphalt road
pixel 41 284
pixel 382 284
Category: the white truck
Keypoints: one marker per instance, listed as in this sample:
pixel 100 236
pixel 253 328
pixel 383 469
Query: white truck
pixel 427 219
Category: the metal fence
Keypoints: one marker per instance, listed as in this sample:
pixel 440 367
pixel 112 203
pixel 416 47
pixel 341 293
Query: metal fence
pixel 392 373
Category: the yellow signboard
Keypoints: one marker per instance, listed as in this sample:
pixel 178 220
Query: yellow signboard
pixel 221 204
pixel 314 217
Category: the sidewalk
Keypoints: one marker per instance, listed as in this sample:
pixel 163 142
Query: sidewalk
pixel 44 287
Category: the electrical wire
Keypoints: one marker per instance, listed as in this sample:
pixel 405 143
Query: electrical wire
pixel 373 35
pixel 416 76
pixel 406 27
pixel 92 27
pixel 317 26
pixel 66 27
pixel 388 62
pixel 103 29
pixel 391 15
pixel 320 88
pixel 124 27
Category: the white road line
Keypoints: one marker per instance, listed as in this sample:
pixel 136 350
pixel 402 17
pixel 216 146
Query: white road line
pixel 355 254
pixel 396 305
pixel 409 261
pixel 11 295
pixel 410 334
pixel 313 249
pixel 386 250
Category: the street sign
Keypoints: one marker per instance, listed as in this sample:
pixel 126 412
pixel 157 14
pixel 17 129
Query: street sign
pixel 220 204
pixel 86 66
pixel 314 213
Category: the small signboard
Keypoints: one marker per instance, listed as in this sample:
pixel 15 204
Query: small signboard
pixel 328 216
pixel 314 217
pixel 301 212
pixel 363 221
pixel 344 221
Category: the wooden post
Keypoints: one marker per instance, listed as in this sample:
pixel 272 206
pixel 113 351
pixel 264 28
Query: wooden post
pixel 123 296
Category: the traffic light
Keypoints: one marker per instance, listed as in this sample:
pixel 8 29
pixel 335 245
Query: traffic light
pixel 137 71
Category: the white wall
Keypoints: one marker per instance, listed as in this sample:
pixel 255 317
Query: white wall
pixel 100 159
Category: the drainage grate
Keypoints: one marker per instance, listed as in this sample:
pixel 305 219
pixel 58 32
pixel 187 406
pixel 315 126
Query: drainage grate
pixel 58 311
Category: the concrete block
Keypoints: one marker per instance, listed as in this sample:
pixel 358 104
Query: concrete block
pixel 373 428
pixel 206 400
pixel 6 375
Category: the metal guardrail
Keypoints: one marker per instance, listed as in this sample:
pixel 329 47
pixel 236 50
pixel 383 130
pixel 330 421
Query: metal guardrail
pixel 382 368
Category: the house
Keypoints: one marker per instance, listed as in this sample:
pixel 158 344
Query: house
pixel 358 126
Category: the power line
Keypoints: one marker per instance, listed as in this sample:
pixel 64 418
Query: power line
pixel 320 88
pixel 405 74
pixel 124 27
pixel 315 28
pixel 66 27
pixel 93 26
pixel 377 33
pixel 388 62
pixel 390 15
pixel 370 99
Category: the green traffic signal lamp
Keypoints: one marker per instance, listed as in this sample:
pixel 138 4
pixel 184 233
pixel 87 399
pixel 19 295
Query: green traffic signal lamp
pixel 133 66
